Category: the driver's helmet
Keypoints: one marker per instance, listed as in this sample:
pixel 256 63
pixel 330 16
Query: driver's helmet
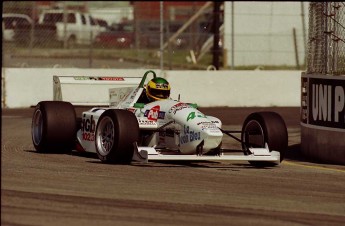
pixel 158 89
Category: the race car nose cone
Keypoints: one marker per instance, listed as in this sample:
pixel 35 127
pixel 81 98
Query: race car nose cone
pixel 213 138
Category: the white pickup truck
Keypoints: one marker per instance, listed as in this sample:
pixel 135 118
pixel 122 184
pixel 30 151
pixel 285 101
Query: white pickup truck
pixel 76 28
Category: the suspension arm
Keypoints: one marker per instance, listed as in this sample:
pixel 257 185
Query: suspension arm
pixel 229 133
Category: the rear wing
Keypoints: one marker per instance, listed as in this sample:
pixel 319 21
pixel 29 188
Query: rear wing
pixel 89 90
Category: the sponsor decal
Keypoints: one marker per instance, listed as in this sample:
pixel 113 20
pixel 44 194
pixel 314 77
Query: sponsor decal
pixel 88 136
pixel 154 113
pixel 207 125
pixel 146 122
pixel 112 78
pixel 304 100
pixel 193 114
pixel 178 107
pixel 88 127
pixel 81 78
pixel 323 102
pixel 99 78
pixel 189 135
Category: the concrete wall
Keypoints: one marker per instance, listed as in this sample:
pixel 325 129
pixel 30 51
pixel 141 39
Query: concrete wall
pixel 322 144
pixel 24 87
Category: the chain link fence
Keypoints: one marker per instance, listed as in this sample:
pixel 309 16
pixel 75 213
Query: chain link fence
pixel 127 34
pixel 326 46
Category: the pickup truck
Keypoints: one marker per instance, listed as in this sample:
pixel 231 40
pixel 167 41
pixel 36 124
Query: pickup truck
pixel 77 29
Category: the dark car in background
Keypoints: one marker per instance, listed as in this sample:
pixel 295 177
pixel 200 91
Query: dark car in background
pixel 118 35
pixel 122 35
pixel 150 36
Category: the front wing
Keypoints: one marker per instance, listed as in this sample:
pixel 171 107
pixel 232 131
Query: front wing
pixel 144 154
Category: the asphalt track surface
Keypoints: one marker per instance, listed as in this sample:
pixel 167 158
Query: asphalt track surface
pixel 77 189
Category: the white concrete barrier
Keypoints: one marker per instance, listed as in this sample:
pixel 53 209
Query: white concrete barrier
pixel 24 87
pixel 237 88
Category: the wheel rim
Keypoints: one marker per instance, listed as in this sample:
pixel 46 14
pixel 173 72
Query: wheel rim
pixel 253 135
pixel 105 136
pixel 37 127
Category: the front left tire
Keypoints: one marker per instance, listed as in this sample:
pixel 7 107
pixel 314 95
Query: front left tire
pixel 117 131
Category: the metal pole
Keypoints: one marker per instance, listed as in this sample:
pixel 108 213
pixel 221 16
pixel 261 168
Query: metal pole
pixel 64 25
pixel 304 33
pixel 32 31
pixel 216 14
pixel 232 36
pixel 335 43
pixel 91 40
pixel 91 49
pixel 137 32
pixel 326 42
pixel 296 48
pixel 161 36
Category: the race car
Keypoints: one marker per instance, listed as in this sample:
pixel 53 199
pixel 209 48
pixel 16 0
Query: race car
pixel 127 130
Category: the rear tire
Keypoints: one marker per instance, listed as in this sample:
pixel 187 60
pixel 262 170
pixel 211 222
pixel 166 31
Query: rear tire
pixel 116 132
pixel 54 127
pixel 264 127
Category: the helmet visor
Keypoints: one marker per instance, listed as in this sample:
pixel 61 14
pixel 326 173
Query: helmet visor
pixel 159 93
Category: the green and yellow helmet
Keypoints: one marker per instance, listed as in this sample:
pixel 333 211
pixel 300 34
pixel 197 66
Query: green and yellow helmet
pixel 158 89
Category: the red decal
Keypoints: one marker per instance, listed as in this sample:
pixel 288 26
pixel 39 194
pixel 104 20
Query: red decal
pixel 88 136
pixel 113 78
pixel 153 113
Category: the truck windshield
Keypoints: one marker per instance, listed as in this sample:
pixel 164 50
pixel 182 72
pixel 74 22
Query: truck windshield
pixel 58 17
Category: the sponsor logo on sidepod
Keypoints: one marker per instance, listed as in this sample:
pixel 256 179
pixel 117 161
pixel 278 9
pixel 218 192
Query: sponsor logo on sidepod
pixel 154 113
pixel 178 107
pixel 88 127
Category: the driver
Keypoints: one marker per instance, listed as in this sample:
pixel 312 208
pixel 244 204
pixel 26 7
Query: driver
pixel 156 89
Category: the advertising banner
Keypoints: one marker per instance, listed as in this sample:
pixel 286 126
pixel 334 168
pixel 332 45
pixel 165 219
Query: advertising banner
pixel 323 101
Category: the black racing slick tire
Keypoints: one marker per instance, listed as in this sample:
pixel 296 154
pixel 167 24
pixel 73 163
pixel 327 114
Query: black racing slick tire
pixel 54 127
pixel 260 128
pixel 117 131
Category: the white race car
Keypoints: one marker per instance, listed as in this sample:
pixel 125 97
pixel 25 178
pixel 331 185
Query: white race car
pixel 127 131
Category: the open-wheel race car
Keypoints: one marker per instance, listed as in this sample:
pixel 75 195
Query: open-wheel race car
pixel 127 130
